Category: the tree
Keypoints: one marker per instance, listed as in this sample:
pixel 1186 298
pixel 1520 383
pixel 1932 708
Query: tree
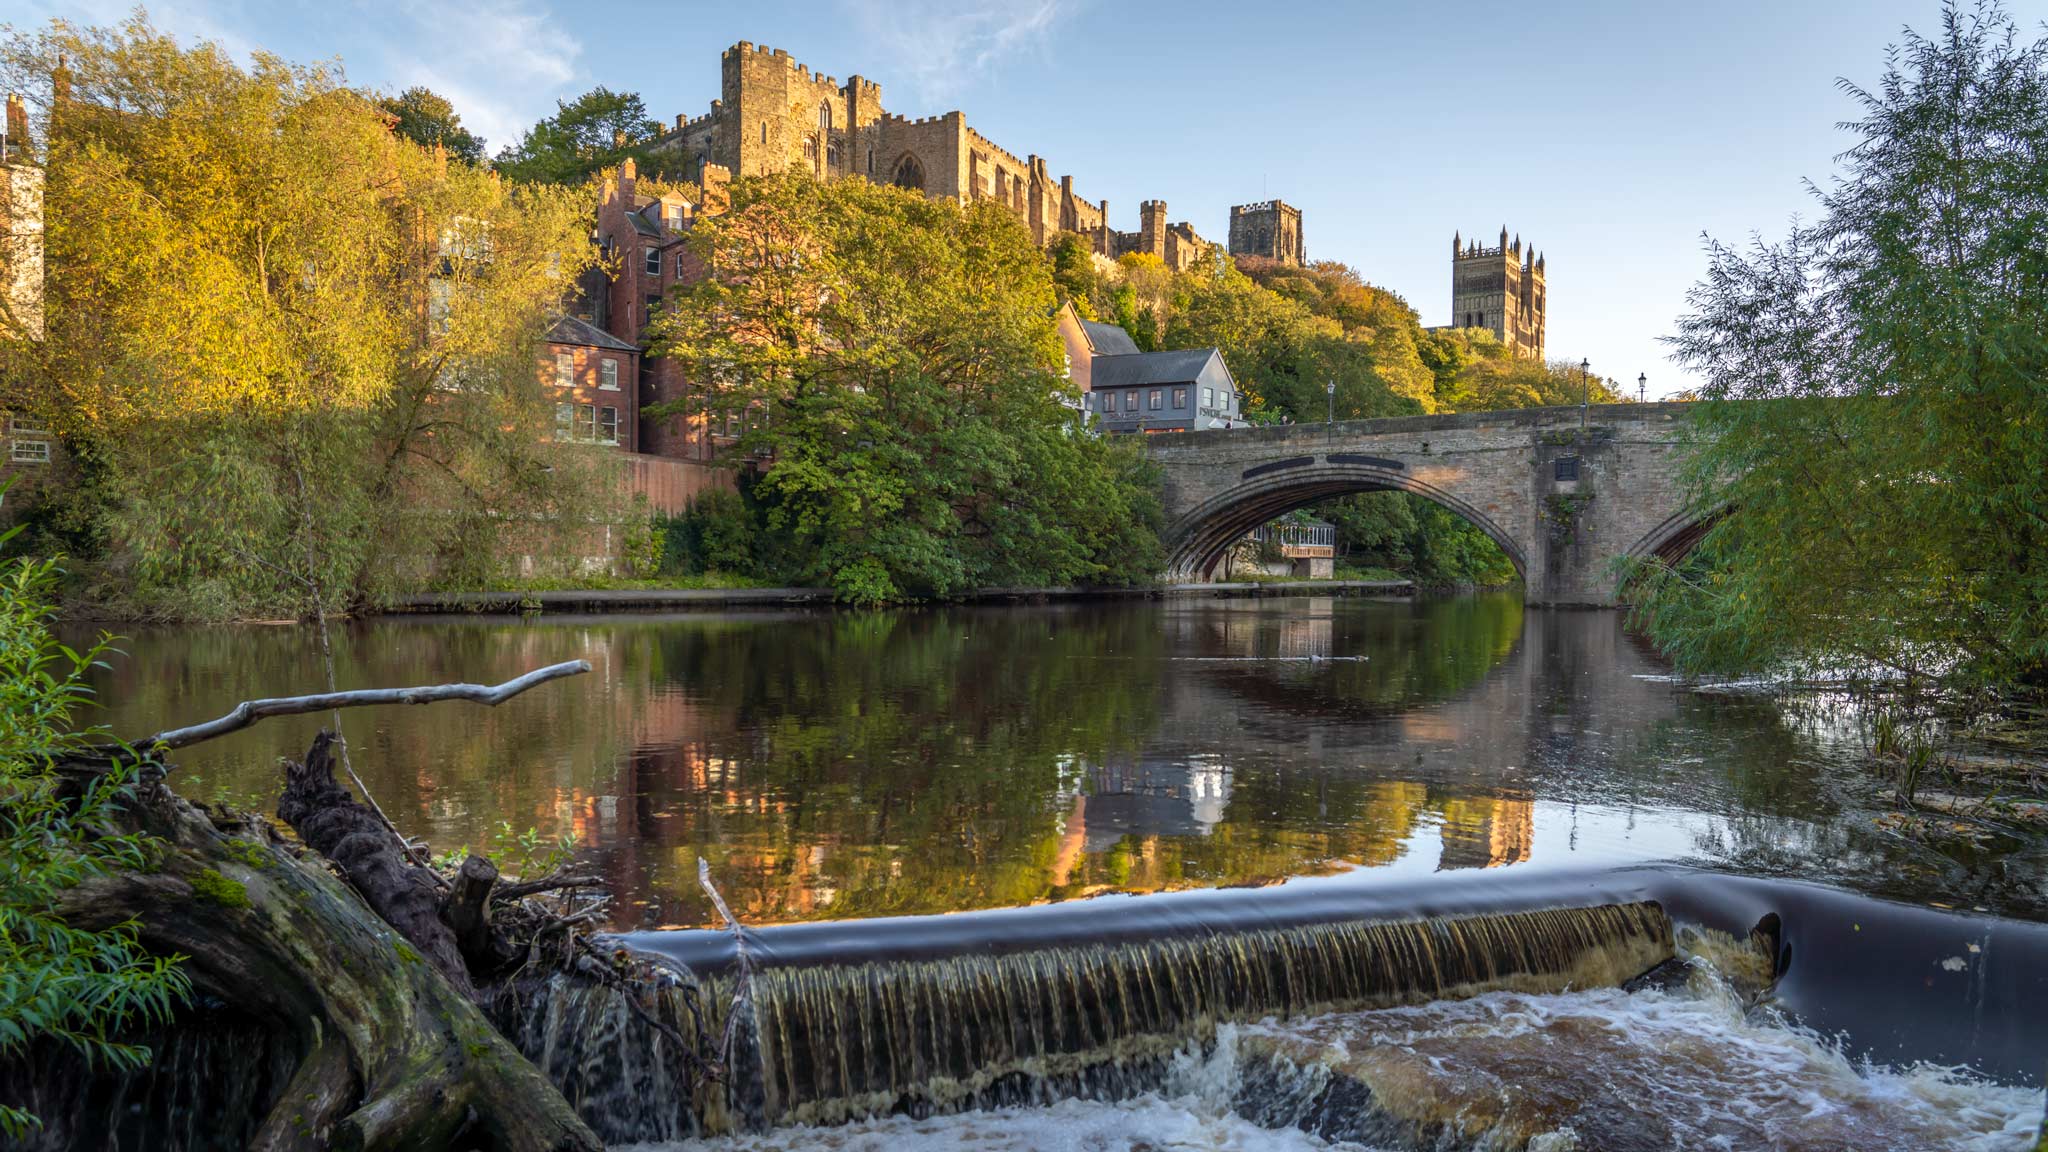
pixel 426 118
pixel 894 360
pixel 598 130
pixel 293 352
pixel 1872 419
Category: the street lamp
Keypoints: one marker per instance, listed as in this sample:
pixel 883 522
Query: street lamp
pixel 1585 390
pixel 1330 390
pixel 1642 387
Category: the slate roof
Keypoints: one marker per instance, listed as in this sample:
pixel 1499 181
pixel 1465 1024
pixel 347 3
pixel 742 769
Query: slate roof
pixel 1108 339
pixel 570 330
pixel 1181 367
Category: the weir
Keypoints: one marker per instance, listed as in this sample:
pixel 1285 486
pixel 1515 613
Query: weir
pixel 831 1042
pixel 1103 999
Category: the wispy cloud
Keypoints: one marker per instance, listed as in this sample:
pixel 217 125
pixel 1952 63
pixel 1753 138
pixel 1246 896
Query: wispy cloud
pixel 501 65
pixel 936 46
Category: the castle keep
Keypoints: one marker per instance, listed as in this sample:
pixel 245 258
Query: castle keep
pixel 1271 230
pixel 774 114
pixel 1499 289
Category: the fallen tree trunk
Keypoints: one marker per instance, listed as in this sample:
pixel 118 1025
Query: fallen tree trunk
pixel 394 1054
pixel 358 998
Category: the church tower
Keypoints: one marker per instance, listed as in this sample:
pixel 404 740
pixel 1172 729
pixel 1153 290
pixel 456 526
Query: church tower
pixel 1499 289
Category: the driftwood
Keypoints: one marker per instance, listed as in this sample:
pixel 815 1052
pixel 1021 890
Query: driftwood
pixel 249 712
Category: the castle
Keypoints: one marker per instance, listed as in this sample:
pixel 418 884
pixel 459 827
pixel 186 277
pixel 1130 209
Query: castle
pixel 1499 289
pixel 774 114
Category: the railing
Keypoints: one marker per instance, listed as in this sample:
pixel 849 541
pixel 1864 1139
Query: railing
pixel 1318 535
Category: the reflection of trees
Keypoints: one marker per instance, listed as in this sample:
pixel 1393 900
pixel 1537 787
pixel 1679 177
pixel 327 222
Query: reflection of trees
pixel 842 765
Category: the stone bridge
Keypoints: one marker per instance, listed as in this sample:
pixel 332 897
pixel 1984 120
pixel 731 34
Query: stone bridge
pixel 1563 501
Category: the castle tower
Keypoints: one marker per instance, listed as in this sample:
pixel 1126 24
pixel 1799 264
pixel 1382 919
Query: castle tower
pixel 1501 290
pixel 1152 228
pixel 1271 230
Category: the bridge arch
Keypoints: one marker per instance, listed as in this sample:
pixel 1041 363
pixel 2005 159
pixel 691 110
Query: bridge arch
pixel 1197 541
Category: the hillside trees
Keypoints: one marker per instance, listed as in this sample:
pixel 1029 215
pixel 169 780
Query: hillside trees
pixel 425 117
pixel 291 351
pixel 1873 409
pixel 598 130
pixel 896 364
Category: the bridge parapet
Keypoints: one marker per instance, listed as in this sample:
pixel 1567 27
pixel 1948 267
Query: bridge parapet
pixel 1564 493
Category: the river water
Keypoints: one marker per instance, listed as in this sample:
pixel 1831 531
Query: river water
pixel 835 766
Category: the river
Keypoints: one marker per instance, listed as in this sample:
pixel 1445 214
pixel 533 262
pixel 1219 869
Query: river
pixel 833 766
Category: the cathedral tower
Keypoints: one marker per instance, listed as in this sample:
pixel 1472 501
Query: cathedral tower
pixel 1501 290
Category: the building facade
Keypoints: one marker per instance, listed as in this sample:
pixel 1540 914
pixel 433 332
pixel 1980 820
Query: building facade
pixel 1270 231
pixel 593 377
pixel 1125 390
pixel 1499 289
pixel 774 114
pixel 30 445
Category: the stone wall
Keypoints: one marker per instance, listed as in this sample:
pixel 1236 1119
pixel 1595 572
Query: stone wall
pixel 1271 230
pixel 1498 470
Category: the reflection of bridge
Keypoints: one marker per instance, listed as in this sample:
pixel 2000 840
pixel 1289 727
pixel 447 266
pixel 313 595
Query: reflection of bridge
pixel 1563 501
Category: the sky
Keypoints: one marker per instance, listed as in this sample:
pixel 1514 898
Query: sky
pixel 1613 136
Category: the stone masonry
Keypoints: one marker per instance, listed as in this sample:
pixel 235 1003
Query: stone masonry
pixel 1500 289
pixel 1564 502
pixel 774 114
pixel 1271 230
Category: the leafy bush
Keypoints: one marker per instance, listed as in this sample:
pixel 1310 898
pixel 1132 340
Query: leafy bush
pixel 57 982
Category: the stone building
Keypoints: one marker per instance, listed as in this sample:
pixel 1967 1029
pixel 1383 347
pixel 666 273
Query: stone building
pixel 1271 230
pixel 774 114
pixel 30 445
pixel 1499 289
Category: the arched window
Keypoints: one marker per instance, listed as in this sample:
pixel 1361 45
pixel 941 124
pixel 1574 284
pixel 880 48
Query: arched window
pixel 909 173
pixel 824 119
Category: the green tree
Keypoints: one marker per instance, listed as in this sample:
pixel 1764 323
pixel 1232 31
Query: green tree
pixel 60 984
pixel 427 118
pixel 294 353
pixel 598 130
pixel 1873 412
pixel 894 359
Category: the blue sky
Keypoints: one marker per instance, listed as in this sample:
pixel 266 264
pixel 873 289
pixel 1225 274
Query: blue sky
pixel 1611 135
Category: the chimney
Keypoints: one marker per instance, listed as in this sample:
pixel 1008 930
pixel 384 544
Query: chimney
pixel 16 142
pixel 628 171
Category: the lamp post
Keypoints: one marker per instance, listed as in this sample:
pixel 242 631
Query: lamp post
pixel 1585 390
pixel 1642 387
pixel 1330 390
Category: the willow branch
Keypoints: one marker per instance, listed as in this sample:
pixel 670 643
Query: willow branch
pixel 249 712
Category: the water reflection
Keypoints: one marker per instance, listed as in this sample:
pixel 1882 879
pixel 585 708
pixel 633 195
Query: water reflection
pixel 893 763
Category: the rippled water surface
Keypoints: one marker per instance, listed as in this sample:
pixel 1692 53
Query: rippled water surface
pixel 835 765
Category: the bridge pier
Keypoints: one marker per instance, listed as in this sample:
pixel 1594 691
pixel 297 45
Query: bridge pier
pixel 1567 495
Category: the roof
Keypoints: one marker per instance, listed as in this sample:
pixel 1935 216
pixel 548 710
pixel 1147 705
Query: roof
pixel 570 330
pixel 1181 367
pixel 1108 339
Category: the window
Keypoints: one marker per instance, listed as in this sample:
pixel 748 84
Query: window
pixel 608 425
pixel 586 421
pixel 1180 397
pixel 16 426
pixel 1208 397
pixel 1567 468
pixel 764 131
pixel 608 374
pixel 1131 400
pixel 673 215
pixel 680 256
pixel 653 260
pixel 565 369
pixel 653 306
pixel 565 421
pixel 1156 399
pixel 29 451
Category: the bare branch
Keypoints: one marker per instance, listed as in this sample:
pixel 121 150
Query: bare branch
pixel 249 712
pixel 551 883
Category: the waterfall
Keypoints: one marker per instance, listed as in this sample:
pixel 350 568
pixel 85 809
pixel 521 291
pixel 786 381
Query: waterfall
pixel 830 1042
